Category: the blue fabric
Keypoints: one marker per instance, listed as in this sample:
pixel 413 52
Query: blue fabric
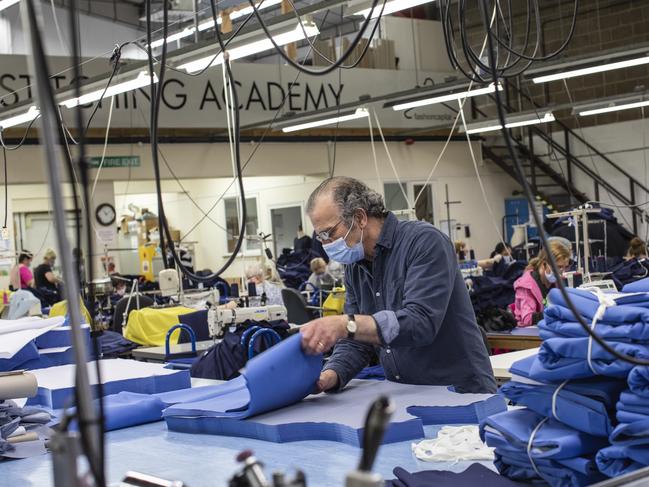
pixel 620 460
pixel 629 271
pixel 112 343
pixel 24 355
pixel 510 432
pixel 476 474
pixel 633 433
pixel 262 391
pixel 416 294
pixel 633 403
pixel 641 286
pixel 636 332
pixel 585 405
pixel 61 337
pixel 638 381
pixel 560 359
pixel 630 308
pixel 374 372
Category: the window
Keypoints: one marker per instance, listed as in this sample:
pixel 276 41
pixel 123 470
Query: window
pixel 232 223
pixel 397 203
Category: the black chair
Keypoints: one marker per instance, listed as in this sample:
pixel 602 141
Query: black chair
pixel 197 321
pixel 120 308
pixel 296 310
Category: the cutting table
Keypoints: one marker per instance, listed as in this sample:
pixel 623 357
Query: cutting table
pixel 209 461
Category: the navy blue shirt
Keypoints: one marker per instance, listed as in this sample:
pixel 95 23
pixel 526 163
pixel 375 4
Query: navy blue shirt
pixel 414 290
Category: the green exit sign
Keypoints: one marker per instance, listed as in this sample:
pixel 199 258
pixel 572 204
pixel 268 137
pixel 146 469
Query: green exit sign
pixel 115 161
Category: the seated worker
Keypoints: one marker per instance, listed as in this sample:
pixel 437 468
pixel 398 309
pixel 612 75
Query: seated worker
pixel 320 276
pixel 503 249
pixel 637 249
pixel 20 275
pixel 406 299
pixel 256 274
pixel 532 288
pixel 44 276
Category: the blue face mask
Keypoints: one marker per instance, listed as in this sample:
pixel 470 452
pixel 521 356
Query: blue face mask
pixel 339 251
pixel 551 278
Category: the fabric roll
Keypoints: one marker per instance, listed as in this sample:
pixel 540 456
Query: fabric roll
pixel 586 405
pixel 619 460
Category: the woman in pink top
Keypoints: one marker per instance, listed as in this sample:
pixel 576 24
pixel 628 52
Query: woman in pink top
pixel 21 276
pixel 533 286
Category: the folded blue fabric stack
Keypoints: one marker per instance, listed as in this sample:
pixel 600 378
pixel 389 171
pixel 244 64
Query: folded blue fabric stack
pixel 630 439
pixel 576 392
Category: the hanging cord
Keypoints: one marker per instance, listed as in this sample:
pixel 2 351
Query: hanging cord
pixel 376 162
pixel 6 183
pixel 103 152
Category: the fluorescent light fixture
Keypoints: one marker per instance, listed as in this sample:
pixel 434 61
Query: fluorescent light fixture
pixel 253 47
pixel 187 32
pixel 143 79
pixel 513 121
pixel 28 116
pixel 592 69
pixel 446 97
pixel 364 8
pixel 612 106
pixel 7 3
pixel 209 24
pixel 343 117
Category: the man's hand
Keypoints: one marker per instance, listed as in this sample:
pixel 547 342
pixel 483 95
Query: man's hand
pixel 319 336
pixel 328 380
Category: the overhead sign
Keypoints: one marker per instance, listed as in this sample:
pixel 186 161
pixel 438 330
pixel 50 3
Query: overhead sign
pixel 114 161
pixel 199 101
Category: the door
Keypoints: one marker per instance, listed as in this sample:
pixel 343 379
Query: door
pixel 285 223
pixel 35 232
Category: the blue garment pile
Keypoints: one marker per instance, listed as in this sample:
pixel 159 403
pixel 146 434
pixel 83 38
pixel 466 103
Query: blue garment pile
pixel 16 422
pixel 531 447
pixel 587 413
pixel 630 439
pixel 567 352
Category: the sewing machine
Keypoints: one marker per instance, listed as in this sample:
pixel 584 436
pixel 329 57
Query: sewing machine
pixel 220 318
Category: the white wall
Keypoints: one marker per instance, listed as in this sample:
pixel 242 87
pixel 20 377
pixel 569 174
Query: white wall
pixel 285 174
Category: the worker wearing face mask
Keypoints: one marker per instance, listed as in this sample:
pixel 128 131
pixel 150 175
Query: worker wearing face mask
pixel 405 298
pixel 532 288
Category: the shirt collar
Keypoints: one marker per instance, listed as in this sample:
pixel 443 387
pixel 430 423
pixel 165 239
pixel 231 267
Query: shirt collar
pixel 386 238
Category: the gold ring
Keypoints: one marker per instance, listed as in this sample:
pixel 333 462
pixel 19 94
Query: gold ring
pixel 320 344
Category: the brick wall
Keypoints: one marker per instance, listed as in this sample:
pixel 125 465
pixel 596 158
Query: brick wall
pixel 602 25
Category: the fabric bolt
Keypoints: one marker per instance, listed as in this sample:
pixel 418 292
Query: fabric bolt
pixel 586 405
pixel 635 332
pixel 476 475
pixel 617 460
pixel 415 291
pixel 632 433
pixel 27 353
pixel 630 307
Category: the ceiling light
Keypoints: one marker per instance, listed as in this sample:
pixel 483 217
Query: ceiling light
pixel 187 32
pixel 511 122
pixel 7 3
pixel 612 106
pixel 143 79
pixel 364 7
pixel 457 95
pixel 342 117
pixel 253 47
pixel 600 68
pixel 28 116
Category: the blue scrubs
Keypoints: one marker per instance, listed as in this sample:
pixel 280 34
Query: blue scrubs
pixel 415 292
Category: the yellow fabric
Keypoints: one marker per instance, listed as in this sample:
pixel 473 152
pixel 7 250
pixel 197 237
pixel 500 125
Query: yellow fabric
pixel 149 326
pixel 61 309
pixel 335 302
pixel 146 253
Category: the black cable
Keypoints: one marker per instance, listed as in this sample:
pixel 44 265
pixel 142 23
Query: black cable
pixel 22 141
pixel 99 470
pixel 530 198
pixel 315 72
pixel 117 54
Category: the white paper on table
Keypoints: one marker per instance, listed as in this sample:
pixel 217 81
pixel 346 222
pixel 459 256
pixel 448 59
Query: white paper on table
pixel 29 323
pixel 112 370
pixel 12 343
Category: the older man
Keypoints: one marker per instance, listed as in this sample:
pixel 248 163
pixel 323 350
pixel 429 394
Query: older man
pixel 405 296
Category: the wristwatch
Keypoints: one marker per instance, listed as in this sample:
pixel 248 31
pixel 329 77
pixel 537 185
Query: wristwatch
pixel 351 326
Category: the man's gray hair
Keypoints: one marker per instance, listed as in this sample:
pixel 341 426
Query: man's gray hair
pixel 349 194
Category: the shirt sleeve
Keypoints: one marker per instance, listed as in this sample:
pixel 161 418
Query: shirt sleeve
pixel 427 288
pixel 348 359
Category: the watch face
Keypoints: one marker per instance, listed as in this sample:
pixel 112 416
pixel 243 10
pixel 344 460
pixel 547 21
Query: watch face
pixel 106 214
pixel 351 326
